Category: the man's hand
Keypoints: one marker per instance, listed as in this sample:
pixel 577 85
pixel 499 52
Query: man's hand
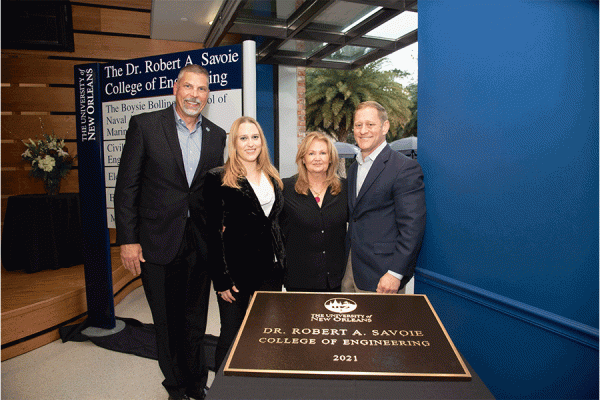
pixel 131 256
pixel 388 284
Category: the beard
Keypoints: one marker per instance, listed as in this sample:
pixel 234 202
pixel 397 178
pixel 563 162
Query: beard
pixel 191 112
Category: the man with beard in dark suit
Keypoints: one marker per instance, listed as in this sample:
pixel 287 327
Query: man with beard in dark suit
pixel 157 197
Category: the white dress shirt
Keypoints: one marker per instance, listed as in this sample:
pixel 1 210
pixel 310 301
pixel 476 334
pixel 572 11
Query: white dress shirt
pixel 364 166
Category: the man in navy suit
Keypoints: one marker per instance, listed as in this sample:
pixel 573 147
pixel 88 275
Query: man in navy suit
pixel 386 203
pixel 159 213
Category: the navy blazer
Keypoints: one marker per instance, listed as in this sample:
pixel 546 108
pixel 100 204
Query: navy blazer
pixel 386 219
pixel 152 195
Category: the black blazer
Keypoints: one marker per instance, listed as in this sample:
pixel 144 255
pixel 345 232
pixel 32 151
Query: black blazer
pixel 243 254
pixel 152 195
pixel 314 237
pixel 387 219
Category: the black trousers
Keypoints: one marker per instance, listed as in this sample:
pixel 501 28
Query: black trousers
pixel 232 315
pixel 178 295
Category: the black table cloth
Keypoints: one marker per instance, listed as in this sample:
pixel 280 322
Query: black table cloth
pixel 41 232
pixel 248 387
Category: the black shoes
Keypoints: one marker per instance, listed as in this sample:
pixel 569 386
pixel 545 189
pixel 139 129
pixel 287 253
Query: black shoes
pixel 191 395
pixel 198 396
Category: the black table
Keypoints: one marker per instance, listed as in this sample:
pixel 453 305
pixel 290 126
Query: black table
pixel 244 387
pixel 42 232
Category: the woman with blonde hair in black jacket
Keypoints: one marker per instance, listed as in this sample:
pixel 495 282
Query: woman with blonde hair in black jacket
pixel 243 200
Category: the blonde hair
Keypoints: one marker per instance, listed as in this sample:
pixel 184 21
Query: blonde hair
pixel 234 169
pixel 333 179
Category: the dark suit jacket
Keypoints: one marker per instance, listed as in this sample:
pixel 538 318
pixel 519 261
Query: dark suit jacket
pixel 242 255
pixel 152 195
pixel 387 219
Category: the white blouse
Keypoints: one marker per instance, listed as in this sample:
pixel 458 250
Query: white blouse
pixel 265 193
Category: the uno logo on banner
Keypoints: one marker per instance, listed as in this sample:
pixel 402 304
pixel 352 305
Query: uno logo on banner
pixel 340 305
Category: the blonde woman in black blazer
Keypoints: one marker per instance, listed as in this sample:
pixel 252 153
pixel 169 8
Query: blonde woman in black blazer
pixel 314 218
pixel 243 200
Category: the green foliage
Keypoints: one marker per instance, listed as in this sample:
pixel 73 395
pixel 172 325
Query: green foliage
pixel 332 96
pixel 410 129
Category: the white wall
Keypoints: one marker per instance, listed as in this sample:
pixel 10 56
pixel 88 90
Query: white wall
pixel 288 117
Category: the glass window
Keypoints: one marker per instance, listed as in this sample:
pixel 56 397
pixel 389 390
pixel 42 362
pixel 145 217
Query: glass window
pixel 304 47
pixel 349 54
pixel 342 16
pixel 396 27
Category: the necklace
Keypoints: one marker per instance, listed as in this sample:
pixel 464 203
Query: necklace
pixel 317 194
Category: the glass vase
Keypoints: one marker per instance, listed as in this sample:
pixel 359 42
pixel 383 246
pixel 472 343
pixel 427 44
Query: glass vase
pixel 52 187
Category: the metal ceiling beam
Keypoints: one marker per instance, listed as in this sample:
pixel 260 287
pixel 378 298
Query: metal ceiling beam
pixel 259 27
pixel 225 18
pixel 401 43
pixel 355 36
pixel 395 4
pixel 303 16
pixel 275 32
pixel 296 59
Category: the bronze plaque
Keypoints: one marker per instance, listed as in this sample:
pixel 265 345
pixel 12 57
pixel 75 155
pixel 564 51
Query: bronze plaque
pixel 343 335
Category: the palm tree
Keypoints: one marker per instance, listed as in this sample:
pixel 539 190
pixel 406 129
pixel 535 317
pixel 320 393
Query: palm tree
pixel 410 129
pixel 332 96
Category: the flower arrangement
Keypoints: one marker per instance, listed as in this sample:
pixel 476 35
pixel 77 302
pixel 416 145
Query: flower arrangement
pixel 50 161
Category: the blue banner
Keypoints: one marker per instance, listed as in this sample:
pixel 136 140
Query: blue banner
pixel 155 76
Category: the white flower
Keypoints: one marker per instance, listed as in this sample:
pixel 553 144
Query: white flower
pixel 62 153
pixel 47 163
pixel 52 144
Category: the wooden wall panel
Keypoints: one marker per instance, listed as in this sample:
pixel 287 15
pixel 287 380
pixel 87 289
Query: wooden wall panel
pixel 115 47
pixel 3 202
pixel 112 234
pixel 56 99
pixel 137 4
pixel 123 48
pixel 12 150
pixel 18 181
pixel 20 127
pixel 110 20
pixel 36 69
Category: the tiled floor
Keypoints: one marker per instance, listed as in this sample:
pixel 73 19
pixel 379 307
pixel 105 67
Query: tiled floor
pixel 72 370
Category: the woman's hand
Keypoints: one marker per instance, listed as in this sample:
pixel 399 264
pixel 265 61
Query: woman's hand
pixel 227 295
